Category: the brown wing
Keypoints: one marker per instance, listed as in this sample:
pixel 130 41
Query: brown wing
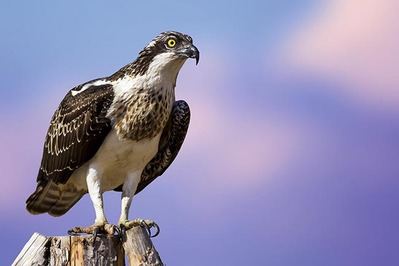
pixel 77 130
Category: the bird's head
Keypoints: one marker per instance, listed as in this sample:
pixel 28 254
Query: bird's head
pixel 172 45
pixel 166 52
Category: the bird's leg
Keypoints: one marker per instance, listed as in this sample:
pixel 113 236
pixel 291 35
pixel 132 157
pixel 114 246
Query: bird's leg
pixel 100 224
pixel 128 190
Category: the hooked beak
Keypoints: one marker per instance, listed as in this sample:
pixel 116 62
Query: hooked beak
pixel 191 52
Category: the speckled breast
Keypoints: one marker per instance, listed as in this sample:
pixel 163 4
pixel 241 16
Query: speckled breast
pixel 143 114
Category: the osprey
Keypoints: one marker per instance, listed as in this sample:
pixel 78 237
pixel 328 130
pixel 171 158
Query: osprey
pixel 115 133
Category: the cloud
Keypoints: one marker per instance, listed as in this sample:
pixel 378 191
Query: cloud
pixel 21 143
pixel 353 42
pixel 20 147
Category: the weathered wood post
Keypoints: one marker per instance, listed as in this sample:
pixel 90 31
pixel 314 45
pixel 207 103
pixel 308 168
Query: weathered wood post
pixel 84 250
pixel 139 249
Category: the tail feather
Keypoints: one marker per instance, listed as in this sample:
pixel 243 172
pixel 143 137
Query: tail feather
pixel 53 198
pixel 65 203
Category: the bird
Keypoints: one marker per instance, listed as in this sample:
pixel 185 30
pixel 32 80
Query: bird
pixel 118 132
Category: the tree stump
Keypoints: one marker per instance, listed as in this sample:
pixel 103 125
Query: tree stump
pixel 139 248
pixel 84 250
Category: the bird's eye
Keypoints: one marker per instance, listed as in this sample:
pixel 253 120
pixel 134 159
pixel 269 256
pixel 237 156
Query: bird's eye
pixel 171 43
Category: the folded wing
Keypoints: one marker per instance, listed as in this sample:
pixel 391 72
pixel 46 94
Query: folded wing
pixel 77 130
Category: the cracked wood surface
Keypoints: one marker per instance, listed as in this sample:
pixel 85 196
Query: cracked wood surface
pixel 83 250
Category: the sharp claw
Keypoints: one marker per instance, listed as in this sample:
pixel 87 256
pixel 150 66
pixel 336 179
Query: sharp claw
pixel 157 230
pixel 117 230
pixel 150 224
pixel 95 232
pixel 146 225
pixel 122 232
pixel 74 231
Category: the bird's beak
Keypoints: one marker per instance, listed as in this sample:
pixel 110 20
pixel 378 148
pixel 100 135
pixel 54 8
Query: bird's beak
pixel 191 52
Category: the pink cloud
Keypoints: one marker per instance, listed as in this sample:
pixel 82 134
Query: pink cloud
pixel 14 160
pixel 21 145
pixel 355 42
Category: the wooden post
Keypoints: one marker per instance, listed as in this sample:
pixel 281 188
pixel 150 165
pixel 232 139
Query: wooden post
pixel 139 248
pixel 82 250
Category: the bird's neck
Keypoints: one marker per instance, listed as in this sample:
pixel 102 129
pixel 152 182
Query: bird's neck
pixel 148 64
pixel 159 78
pixel 143 103
pixel 164 67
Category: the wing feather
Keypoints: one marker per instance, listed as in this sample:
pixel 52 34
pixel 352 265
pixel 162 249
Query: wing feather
pixel 169 145
pixel 77 130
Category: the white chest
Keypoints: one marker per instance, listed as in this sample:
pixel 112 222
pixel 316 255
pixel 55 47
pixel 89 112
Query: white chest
pixel 116 158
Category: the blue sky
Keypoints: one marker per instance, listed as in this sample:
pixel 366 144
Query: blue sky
pixel 292 154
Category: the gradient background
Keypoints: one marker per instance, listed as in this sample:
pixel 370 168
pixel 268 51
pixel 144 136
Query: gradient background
pixel 292 157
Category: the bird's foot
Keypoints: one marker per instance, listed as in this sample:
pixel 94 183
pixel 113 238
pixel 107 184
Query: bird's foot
pixel 95 229
pixel 147 224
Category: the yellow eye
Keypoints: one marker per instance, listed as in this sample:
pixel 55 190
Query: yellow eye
pixel 171 43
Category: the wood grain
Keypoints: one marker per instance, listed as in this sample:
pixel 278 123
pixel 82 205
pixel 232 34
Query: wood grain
pixel 85 250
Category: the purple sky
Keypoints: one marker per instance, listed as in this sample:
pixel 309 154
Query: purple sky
pixel 292 157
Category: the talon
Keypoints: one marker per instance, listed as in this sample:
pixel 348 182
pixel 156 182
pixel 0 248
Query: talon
pixel 96 230
pixel 75 231
pixel 122 232
pixel 157 230
pixel 118 230
pixel 71 232
pixel 151 224
pixel 148 227
pixel 147 224
pixel 123 229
